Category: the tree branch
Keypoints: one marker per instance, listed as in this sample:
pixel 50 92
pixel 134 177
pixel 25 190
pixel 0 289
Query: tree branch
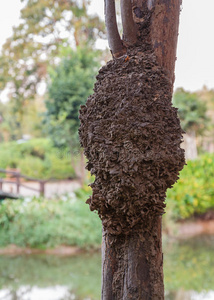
pixel 150 4
pixel 129 26
pixel 114 40
pixel 164 33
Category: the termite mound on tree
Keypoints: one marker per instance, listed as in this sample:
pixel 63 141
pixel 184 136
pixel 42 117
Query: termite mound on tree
pixel 131 136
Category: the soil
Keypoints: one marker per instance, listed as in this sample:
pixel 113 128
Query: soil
pixel 61 250
pixel 207 216
pixel 197 225
pixel 193 228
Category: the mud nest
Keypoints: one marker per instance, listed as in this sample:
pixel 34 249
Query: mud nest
pixel 131 135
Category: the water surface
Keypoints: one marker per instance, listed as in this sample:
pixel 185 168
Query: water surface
pixel 188 271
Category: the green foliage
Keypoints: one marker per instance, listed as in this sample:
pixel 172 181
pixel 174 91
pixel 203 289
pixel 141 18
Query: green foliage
pixel 207 96
pixel 27 121
pixel 40 223
pixel 37 158
pixel 46 26
pixel 194 192
pixel 191 110
pixel 70 85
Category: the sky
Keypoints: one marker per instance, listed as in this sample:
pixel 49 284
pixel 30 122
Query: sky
pixel 195 53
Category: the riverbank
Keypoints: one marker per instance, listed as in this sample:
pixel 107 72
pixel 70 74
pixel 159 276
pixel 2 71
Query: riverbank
pixel 64 225
pixel 61 250
pixel 199 224
pixel 188 273
pixel 182 231
pixel 39 223
pixel 189 228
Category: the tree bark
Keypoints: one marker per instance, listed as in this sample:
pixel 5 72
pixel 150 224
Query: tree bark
pixel 133 265
pixel 115 42
pixel 129 26
pixel 132 135
pixel 164 33
pixel 163 19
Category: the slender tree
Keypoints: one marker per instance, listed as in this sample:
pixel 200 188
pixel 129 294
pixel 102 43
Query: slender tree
pixel 71 82
pixel 132 135
pixel 194 119
pixel 70 85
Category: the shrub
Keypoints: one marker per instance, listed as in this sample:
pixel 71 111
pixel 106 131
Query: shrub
pixel 41 223
pixel 194 192
pixel 37 158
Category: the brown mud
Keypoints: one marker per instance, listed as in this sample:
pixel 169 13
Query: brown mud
pixel 131 135
pixel 192 228
pixel 199 224
pixel 61 250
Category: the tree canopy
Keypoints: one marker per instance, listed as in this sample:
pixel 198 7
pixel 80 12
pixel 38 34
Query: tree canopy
pixel 191 110
pixel 46 26
pixel 70 85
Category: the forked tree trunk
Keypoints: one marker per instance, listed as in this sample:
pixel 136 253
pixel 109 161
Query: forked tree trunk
pixel 133 265
pixel 131 135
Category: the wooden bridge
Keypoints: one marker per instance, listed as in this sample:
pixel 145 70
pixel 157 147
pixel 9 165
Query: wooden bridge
pixel 16 178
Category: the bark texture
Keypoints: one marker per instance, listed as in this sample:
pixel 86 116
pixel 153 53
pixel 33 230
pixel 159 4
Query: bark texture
pixel 115 42
pixel 161 18
pixel 164 33
pixel 129 26
pixel 133 265
pixel 132 135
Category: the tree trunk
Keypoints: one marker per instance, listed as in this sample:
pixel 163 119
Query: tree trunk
pixel 190 145
pixel 114 39
pixel 132 135
pixel 133 265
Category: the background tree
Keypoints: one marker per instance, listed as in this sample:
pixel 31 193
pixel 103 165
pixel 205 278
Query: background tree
pixel 131 135
pixel 71 82
pixel 194 120
pixel 70 85
pixel 45 27
pixel 207 96
pixel 14 124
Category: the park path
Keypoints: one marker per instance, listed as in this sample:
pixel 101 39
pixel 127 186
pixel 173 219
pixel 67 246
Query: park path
pixel 51 188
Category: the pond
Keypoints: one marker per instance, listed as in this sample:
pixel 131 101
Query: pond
pixel 188 271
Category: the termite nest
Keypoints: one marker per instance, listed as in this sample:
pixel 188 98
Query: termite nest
pixel 131 136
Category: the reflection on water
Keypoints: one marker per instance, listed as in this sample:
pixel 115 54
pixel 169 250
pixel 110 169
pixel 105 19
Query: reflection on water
pixel 188 270
pixel 63 293
pixel 35 293
pixel 189 295
pixel 23 277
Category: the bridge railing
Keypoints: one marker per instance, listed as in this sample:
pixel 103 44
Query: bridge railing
pixel 18 182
